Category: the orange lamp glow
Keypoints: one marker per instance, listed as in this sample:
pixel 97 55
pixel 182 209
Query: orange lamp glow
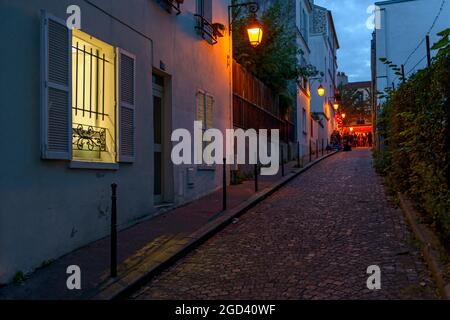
pixel 343 116
pixel 351 129
pixel 321 91
pixel 336 106
pixel 255 33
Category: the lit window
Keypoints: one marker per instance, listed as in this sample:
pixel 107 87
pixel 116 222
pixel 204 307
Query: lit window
pixel 93 99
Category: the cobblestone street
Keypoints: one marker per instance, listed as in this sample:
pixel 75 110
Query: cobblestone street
pixel 313 239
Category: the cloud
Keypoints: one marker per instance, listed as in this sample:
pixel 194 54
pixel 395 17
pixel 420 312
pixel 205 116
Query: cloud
pixel 350 17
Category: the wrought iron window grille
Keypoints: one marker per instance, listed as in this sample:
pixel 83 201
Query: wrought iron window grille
pixel 171 5
pixel 88 138
pixel 209 31
pixel 93 103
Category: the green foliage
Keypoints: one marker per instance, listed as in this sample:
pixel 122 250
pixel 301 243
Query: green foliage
pixel 352 105
pixel 276 60
pixel 397 70
pixel 415 125
pixel 443 45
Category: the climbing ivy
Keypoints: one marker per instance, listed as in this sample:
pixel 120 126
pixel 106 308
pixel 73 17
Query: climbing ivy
pixel 415 126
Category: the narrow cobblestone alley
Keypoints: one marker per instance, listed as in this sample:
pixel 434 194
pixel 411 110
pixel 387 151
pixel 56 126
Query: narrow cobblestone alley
pixel 314 239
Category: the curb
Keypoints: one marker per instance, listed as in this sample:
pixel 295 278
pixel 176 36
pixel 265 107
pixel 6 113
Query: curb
pixel 123 286
pixel 427 250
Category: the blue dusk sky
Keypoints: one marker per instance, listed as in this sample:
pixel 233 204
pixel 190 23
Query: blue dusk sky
pixel 350 17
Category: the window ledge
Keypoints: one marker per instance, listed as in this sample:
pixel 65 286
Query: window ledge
pixel 93 165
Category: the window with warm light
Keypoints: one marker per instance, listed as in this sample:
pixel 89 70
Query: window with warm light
pixel 93 99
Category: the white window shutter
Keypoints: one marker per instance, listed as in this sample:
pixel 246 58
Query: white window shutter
pixel 200 101
pixel 127 101
pixel 56 86
pixel 209 112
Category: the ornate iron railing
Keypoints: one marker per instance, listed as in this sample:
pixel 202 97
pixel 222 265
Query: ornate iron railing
pixel 206 29
pixel 170 5
pixel 88 138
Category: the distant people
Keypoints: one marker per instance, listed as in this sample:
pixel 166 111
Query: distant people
pixel 335 140
pixel 347 144
pixel 348 140
pixel 370 139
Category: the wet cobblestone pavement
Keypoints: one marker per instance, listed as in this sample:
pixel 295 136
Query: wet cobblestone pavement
pixel 313 239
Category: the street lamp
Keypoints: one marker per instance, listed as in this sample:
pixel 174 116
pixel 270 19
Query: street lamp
pixel 255 32
pixel 336 106
pixel 321 91
pixel 343 116
pixel 254 29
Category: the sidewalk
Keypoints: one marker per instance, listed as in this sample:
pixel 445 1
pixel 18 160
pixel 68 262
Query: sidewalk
pixel 146 246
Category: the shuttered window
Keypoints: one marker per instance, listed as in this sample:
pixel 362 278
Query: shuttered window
pixel 209 101
pixel 127 115
pixel 205 106
pixel 200 101
pixel 79 89
pixel 93 99
pixel 56 86
pixel 205 109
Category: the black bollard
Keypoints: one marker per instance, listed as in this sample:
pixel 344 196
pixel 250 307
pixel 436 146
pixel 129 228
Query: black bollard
pixel 256 177
pixel 114 231
pixel 310 151
pixel 224 196
pixel 282 161
pixel 317 149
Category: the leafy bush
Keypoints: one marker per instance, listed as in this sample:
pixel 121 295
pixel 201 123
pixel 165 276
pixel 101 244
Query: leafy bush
pixel 415 126
pixel 275 61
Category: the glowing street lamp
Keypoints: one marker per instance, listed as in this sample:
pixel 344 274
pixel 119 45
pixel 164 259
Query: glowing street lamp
pixel 343 116
pixel 351 129
pixel 254 28
pixel 336 106
pixel 255 32
pixel 321 91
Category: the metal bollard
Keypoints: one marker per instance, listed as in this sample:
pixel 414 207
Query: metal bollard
pixel 310 151
pixel 114 231
pixel 322 148
pixel 224 195
pixel 256 177
pixel 282 161
pixel 317 149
